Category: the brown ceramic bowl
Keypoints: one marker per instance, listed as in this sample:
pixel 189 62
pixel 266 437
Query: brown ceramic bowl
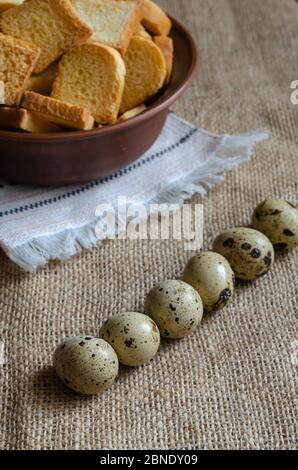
pixel 72 157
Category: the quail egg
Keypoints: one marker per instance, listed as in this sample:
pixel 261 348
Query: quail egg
pixel 134 336
pixel 249 252
pixel 86 364
pixel 176 308
pixel 278 220
pixel 212 277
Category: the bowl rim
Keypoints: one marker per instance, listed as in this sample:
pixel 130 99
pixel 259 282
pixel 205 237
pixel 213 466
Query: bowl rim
pixel 153 109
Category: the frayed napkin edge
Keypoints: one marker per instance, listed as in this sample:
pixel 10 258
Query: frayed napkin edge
pixel 230 152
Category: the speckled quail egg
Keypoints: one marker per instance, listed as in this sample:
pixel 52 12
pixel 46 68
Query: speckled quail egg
pixel 86 364
pixel 212 277
pixel 176 308
pixel 249 252
pixel 134 336
pixel 278 220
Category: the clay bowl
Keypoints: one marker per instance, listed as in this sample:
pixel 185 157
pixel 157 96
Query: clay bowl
pixel 73 157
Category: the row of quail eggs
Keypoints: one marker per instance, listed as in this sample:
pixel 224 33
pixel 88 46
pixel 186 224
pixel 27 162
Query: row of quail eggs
pixel 174 309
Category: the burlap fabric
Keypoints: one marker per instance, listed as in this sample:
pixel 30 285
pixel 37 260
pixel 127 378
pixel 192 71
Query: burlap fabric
pixel 231 385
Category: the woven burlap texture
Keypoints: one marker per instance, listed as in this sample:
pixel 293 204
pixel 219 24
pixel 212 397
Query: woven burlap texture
pixel 231 385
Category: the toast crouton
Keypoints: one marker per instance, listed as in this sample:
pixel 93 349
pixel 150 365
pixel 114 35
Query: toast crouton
pixel 53 25
pixel 132 113
pixel 92 76
pixel 113 22
pixel 146 72
pixel 155 19
pixel 64 114
pixel 21 119
pixel 43 82
pixel 17 60
pixel 166 46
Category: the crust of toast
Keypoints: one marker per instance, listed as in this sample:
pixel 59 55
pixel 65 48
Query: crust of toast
pixel 132 27
pixel 94 11
pixel 21 119
pixel 64 114
pixel 92 76
pixel 146 72
pixel 132 113
pixel 18 59
pixel 5 5
pixel 51 17
pixel 166 46
pixel 155 19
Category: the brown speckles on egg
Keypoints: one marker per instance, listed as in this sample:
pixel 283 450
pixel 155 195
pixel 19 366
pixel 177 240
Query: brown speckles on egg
pixel 224 297
pixel 210 275
pixel 279 222
pixel 256 253
pixel 134 336
pixel 130 343
pixel 85 367
pixel 228 243
pixel 246 246
pixel 172 307
pixel 247 255
pixel 267 261
pixel 288 233
pixel 276 212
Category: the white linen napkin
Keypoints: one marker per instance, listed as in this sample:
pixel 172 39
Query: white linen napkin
pixel 38 224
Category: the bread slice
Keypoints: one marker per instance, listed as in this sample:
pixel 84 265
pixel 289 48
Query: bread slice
pixel 43 82
pixel 141 31
pixel 21 119
pixel 64 114
pixel 146 72
pixel 166 46
pixel 155 19
pixel 17 60
pixel 92 76
pixel 2 92
pixel 53 25
pixel 113 22
pixel 132 113
pixel 5 4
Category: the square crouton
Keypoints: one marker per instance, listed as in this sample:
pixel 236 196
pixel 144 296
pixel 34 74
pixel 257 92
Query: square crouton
pixel 17 61
pixel 53 25
pixel 113 22
pixel 92 76
pixel 155 19
pixel 64 114
pixel 23 120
